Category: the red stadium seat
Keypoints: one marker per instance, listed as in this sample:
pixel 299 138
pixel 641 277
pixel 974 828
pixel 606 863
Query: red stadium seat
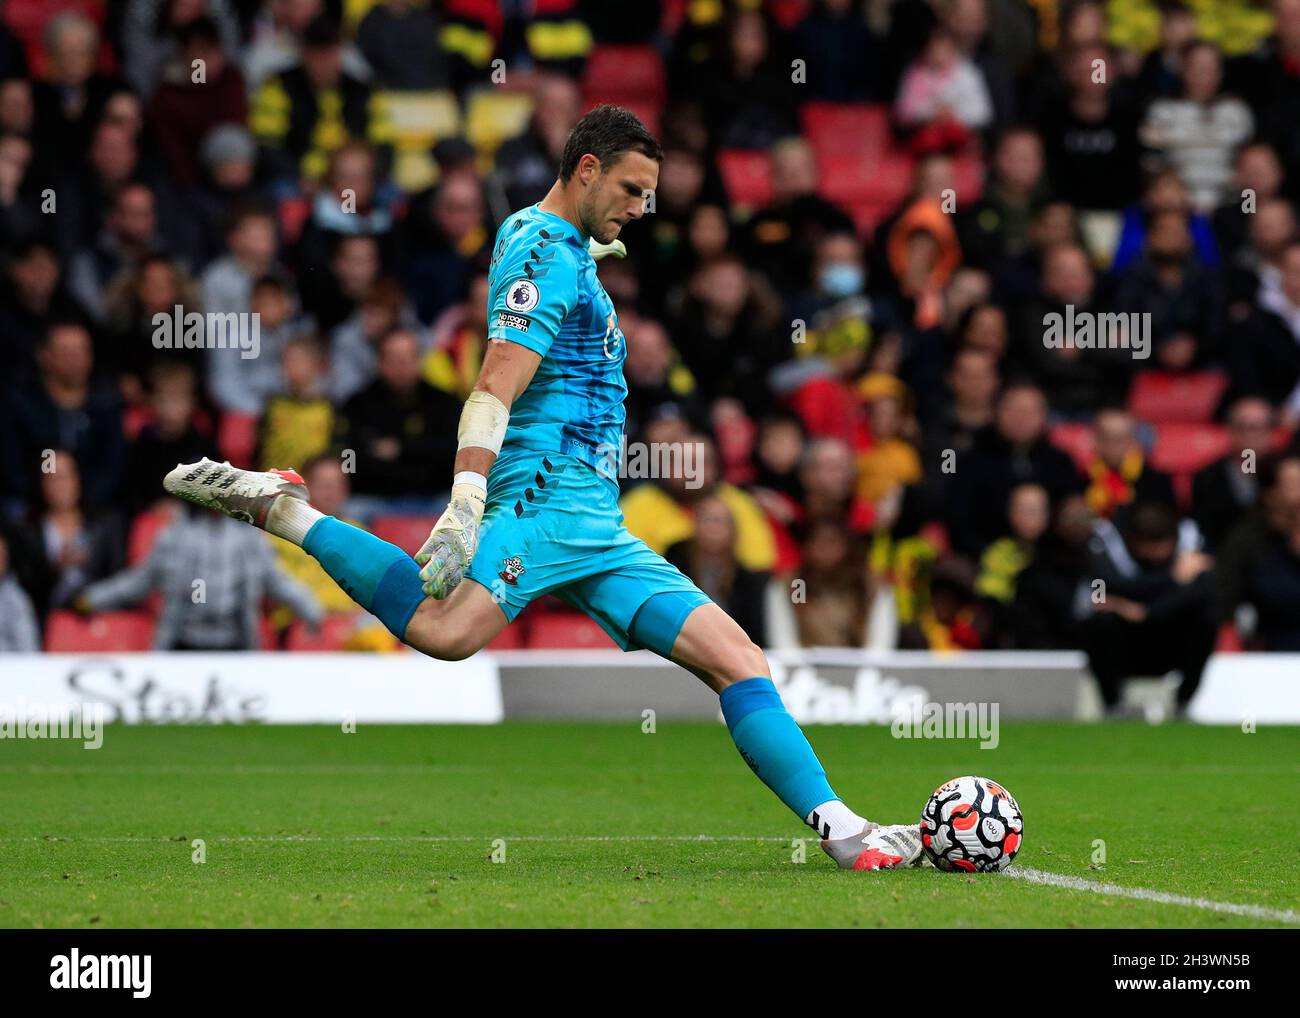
pixel 626 75
pixel 1187 448
pixel 145 529
pixel 848 179
pixel 858 129
pixel 1182 449
pixel 1228 640
pixel 510 638
pixel 69 633
pixel 408 532
pixel 1076 439
pixel 968 170
pixel 564 630
pixel 237 439
pixel 334 632
pixel 1162 397
pixel 648 111
pixel 747 176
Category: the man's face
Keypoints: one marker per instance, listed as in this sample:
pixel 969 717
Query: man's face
pixel 1020 160
pixel 356 265
pixel 133 219
pixel 323 64
pixel 1115 436
pixel 72 55
pixel 458 208
pixel 329 488
pixel 1251 425
pixel 1022 416
pixel 1068 276
pixel 616 193
pixel 399 362
pixel 974 378
pixel 113 153
pixel 67 356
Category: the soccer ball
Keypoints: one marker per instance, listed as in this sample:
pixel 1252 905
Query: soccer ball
pixel 971 824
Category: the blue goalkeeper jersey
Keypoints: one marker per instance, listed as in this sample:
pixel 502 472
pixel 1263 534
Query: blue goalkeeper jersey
pixel 544 295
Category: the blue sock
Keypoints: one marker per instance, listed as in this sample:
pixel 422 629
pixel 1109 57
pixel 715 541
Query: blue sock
pixel 774 746
pixel 377 575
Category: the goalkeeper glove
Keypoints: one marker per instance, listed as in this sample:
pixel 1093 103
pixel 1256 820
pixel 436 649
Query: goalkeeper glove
pixel 598 250
pixel 449 549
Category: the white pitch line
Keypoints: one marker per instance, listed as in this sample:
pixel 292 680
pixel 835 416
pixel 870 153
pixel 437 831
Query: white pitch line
pixel 1044 878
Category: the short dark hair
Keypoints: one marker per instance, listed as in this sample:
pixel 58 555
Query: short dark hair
pixel 1150 522
pixel 607 132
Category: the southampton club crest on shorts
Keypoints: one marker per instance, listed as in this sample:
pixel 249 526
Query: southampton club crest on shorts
pixel 511 569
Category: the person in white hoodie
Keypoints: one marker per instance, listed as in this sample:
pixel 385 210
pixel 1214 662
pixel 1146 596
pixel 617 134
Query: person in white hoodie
pixel 19 631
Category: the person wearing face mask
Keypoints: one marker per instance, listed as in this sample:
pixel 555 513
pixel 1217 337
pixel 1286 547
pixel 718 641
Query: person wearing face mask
pixel 837 276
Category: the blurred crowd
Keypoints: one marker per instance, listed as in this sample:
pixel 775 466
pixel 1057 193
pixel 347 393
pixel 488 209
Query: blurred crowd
pixel 866 213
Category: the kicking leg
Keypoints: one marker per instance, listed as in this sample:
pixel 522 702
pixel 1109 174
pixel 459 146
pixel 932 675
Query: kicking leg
pixel 711 645
pixel 379 576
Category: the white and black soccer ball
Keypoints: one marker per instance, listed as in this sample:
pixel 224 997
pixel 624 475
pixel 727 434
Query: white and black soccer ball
pixel 971 825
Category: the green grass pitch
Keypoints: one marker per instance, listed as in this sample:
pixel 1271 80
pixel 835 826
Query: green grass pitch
pixel 395 826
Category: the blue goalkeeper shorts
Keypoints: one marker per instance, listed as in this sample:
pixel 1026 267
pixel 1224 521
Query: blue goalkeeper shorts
pixel 553 525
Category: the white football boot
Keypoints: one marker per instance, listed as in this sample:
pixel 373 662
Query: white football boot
pixel 877 848
pixel 244 495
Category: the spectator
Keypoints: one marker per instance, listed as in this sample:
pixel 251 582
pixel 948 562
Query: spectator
pixel 1054 591
pixel 1198 133
pixel 170 435
pixel 130 235
pixel 708 557
pixel 661 511
pixel 1257 566
pixel 211 573
pixel 1224 491
pixel 66 409
pixel 400 41
pixel 302 114
pixel 1118 473
pixel 400 429
pixel 251 245
pixel 1264 352
pixel 297 423
pixel 943 99
pixel 72 97
pixel 997 226
pixel 836 587
pixel 198 91
pixel 445 237
pixel 32 296
pixel 892 460
pixel 241 379
pixel 1014 451
pixel 782 238
pixel 527 165
pixel 81 543
pixel 1090 135
pixel 19 631
pixel 841 51
pixel 1155 609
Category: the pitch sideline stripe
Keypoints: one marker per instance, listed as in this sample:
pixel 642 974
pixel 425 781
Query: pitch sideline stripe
pixel 1043 878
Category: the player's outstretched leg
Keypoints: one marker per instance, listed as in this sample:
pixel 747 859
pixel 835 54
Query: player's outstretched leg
pixel 715 648
pixel 379 576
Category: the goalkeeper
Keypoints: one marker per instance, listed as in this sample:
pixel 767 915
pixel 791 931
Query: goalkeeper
pixel 534 501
